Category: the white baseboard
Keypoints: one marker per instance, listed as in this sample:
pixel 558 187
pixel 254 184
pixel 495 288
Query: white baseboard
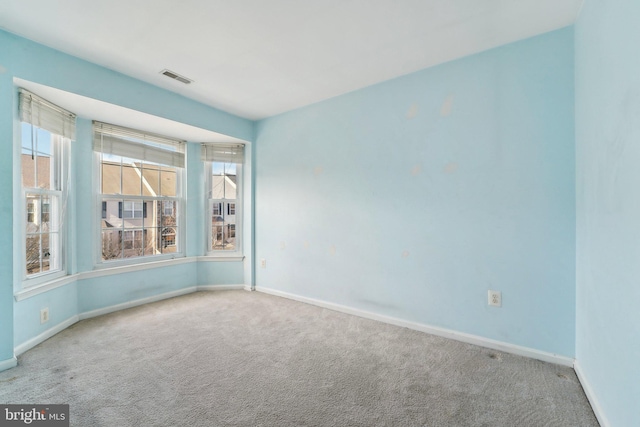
pixel 593 400
pixel 28 345
pixel 135 303
pixel 221 287
pixel 434 330
pixel 8 363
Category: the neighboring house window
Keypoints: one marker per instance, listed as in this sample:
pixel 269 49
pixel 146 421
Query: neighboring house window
pixel 168 237
pixel 168 208
pixel 132 209
pixel 224 190
pixel 31 212
pixel 141 192
pixel 46 130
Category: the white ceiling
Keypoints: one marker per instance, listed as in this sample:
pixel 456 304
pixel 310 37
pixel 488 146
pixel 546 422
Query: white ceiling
pixel 258 58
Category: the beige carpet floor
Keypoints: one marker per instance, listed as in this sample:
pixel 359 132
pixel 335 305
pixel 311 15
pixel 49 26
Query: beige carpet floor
pixel 237 358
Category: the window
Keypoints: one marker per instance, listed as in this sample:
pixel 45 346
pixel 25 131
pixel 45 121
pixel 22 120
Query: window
pixel 141 177
pixel 46 130
pixel 168 208
pixel 217 209
pixel 224 189
pixel 31 212
pixel 132 209
pixel 168 237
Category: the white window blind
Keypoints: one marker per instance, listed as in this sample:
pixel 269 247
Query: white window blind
pixel 134 144
pixel 46 115
pixel 225 153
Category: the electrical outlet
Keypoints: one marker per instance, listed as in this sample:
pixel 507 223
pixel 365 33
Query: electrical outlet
pixel 263 263
pixel 495 298
pixel 44 315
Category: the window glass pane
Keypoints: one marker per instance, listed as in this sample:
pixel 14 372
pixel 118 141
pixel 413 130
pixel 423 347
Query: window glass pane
pixel 229 236
pixel 132 243
pixel 217 236
pixel 111 178
pixel 33 253
pixel 133 210
pixel 223 180
pixel 151 182
pixel 43 174
pixel 111 244
pixel 131 180
pixel 110 213
pixel 45 213
pixel 151 245
pixel 33 213
pixel 168 182
pixel 28 170
pixel 168 214
pixel 45 253
pixel 168 239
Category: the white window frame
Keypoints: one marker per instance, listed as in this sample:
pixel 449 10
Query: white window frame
pixel 223 203
pixel 60 124
pixel 178 199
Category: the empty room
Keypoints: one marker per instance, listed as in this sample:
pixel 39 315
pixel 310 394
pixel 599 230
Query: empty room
pixel 320 213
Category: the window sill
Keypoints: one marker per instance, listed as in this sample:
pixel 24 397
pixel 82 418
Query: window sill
pixel 221 258
pixel 108 269
pixel 31 291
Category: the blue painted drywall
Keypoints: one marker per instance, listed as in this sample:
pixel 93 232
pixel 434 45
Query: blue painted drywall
pixel 608 205
pixel 6 215
pixel 413 197
pixel 62 303
pixel 220 273
pixel 107 291
pixel 195 205
pixel 21 58
pixel 82 167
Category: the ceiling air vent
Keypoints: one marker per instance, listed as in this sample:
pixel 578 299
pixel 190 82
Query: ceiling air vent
pixel 176 76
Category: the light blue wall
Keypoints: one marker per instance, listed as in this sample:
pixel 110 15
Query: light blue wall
pixel 6 215
pixel 196 240
pixel 82 167
pixel 608 205
pixel 220 273
pixel 413 197
pixel 107 291
pixel 21 58
pixel 62 303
